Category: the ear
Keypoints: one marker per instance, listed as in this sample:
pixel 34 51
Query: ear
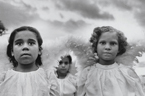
pixel 39 53
pixel 118 52
pixel 12 53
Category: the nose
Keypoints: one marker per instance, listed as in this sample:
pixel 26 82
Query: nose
pixel 25 47
pixel 63 65
pixel 107 47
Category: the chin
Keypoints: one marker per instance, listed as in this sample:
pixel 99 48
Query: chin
pixel 26 62
pixel 108 59
pixel 64 72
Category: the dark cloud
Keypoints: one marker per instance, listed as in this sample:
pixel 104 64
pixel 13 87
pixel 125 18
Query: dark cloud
pixel 122 4
pixel 27 6
pixel 70 26
pixel 84 8
pixel 14 16
pixel 61 16
pixel 45 8
pixel 140 16
pixel 33 8
pixel 136 7
pixel 140 13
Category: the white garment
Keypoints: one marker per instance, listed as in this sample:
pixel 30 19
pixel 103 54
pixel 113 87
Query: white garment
pixel 35 83
pixel 68 85
pixel 109 80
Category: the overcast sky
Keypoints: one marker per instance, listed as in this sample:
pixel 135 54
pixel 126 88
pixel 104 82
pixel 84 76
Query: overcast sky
pixel 56 18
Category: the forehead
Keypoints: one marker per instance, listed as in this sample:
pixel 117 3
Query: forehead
pixel 64 59
pixel 109 36
pixel 25 35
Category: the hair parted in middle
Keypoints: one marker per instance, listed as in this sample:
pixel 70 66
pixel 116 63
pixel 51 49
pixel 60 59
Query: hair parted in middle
pixel 11 40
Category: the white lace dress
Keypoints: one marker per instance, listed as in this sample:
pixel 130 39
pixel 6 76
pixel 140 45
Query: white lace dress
pixel 109 80
pixel 68 85
pixel 35 83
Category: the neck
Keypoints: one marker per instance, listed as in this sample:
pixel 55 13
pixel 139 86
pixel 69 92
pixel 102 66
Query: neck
pixel 106 62
pixel 26 67
pixel 61 75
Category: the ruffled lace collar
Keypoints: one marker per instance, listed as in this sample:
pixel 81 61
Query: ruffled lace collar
pixel 17 72
pixel 115 65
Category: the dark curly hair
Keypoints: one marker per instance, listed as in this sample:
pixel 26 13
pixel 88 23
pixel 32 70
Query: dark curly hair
pixel 69 58
pixel 98 31
pixel 11 40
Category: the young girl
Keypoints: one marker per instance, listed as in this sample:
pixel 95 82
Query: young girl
pixel 67 81
pixel 27 78
pixel 107 77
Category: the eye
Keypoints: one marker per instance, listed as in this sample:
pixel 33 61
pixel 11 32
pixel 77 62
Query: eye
pixel 31 43
pixel 66 63
pixel 113 43
pixel 102 42
pixel 19 43
pixel 60 62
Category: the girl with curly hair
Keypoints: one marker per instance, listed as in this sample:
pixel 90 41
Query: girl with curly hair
pixel 108 77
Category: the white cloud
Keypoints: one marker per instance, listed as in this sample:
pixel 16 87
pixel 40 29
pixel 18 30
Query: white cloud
pixel 85 8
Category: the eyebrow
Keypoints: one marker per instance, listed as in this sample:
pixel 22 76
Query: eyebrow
pixel 106 40
pixel 19 40
pixel 32 40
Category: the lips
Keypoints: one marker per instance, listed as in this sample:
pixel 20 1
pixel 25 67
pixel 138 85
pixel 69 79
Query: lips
pixel 107 53
pixel 26 54
pixel 63 69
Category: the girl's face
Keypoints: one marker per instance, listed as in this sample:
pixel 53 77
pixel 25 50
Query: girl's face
pixel 64 65
pixel 25 47
pixel 107 47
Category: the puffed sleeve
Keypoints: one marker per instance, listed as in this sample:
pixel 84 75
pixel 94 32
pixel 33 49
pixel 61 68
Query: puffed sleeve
pixel 138 86
pixel 134 80
pixel 2 76
pixel 53 84
pixel 73 80
pixel 143 82
pixel 81 82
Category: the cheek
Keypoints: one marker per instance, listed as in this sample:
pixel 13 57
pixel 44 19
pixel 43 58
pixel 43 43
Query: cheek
pixel 98 49
pixel 16 51
pixel 35 50
pixel 117 49
pixel 68 67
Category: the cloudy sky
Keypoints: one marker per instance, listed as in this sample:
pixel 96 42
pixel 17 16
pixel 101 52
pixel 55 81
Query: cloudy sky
pixel 57 18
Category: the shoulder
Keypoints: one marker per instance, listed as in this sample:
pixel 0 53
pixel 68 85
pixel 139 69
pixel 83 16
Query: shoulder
pixel 128 70
pixel 50 73
pixel 2 76
pixel 72 79
pixel 132 73
pixel 86 72
pixel 89 68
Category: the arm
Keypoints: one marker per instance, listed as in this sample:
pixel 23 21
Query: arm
pixel 81 82
pixel 75 94
pixel 2 77
pixel 53 84
pixel 137 82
